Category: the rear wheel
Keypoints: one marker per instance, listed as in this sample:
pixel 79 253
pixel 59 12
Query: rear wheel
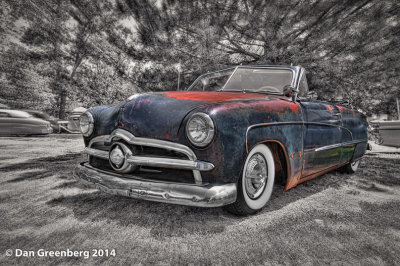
pixel 351 167
pixel 256 183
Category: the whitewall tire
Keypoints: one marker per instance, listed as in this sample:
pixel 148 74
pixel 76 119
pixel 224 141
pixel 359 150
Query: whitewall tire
pixel 351 167
pixel 256 183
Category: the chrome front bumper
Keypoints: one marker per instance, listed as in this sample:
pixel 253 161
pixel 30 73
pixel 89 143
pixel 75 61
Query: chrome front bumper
pixel 168 192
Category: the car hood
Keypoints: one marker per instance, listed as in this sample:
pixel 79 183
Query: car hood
pixel 160 115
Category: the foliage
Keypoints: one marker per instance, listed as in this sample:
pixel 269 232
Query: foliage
pixel 350 48
pixel 97 52
pixel 62 40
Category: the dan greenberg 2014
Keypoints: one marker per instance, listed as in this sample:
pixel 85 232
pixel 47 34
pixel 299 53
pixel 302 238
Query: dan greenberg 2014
pixel 65 253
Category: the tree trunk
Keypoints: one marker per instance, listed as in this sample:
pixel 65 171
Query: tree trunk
pixel 63 94
pixel 63 103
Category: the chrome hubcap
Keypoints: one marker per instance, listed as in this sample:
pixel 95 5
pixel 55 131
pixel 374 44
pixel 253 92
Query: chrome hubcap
pixel 256 175
pixel 354 165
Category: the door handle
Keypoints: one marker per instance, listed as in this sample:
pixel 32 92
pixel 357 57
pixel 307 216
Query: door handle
pixel 338 114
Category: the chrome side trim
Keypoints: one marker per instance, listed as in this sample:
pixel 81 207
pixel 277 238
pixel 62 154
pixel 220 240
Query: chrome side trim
pixel 328 147
pixel 292 123
pixel 168 192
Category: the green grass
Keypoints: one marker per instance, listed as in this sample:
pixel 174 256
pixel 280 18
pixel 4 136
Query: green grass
pixel 333 219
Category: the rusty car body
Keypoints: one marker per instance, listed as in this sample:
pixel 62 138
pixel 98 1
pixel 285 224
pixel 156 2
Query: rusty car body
pixel 222 142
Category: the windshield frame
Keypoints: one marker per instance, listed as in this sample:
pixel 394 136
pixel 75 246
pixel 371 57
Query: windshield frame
pixel 290 68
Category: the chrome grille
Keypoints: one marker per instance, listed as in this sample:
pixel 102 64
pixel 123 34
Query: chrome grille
pixel 150 153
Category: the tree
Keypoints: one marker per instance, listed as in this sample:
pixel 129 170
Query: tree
pixel 350 48
pixel 62 37
pixel 343 44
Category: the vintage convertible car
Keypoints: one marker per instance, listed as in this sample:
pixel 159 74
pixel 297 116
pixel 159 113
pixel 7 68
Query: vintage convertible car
pixel 222 142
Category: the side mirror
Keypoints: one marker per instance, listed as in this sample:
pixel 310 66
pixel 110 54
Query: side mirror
pixel 312 95
pixel 290 91
pixel 344 102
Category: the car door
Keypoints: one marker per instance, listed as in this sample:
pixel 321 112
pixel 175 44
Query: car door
pixel 322 137
pixel 322 133
pixel 354 134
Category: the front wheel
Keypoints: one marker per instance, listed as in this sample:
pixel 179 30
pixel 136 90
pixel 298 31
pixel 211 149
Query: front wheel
pixel 256 183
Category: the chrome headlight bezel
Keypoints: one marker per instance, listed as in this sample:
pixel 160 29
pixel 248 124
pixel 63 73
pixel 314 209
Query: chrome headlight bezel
pixel 208 123
pixel 90 124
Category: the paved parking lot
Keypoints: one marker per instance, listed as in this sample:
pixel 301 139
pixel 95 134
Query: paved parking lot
pixel 336 218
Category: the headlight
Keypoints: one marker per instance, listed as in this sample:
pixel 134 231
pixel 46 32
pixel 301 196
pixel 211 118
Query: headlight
pixel 200 129
pixel 86 123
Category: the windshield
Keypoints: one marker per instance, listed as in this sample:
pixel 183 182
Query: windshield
pixel 212 82
pixel 245 79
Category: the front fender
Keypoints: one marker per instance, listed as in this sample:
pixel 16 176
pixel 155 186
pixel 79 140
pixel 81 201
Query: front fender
pixel 227 150
pixel 289 135
pixel 105 120
pixel 242 125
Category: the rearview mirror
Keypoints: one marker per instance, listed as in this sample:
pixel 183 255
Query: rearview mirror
pixel 312 95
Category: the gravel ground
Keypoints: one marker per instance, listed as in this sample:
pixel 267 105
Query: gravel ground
pixel 333 219
pixel 19 149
